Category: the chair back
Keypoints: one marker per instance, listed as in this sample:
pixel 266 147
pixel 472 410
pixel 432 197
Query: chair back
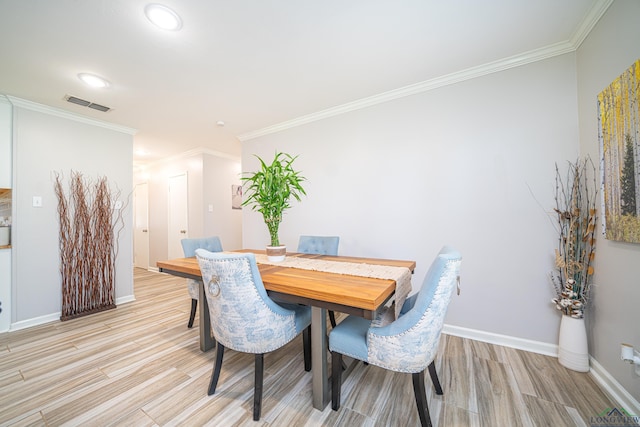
pixel 243 317
pixel 321 245
pixel 211 244
pixel 189 246
pixel 409 344
pixel 446 264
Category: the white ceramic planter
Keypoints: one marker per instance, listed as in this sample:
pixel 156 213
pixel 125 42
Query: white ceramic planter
pixel 5 236
pixel 276 253
pixel 573 351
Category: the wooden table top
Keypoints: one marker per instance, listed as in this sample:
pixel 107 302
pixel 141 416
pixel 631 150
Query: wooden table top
pixel 340 292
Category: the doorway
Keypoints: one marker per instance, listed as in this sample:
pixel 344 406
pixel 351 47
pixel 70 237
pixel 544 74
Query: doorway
pixel 178 215
pixel 141 227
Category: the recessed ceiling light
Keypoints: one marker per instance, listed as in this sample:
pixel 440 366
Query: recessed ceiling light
pixel 220 123
pixel 163 17
pixel 93 80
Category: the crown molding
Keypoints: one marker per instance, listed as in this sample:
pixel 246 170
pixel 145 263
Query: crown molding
pixel 424 86
pixel 590 20
pixel 189 153
pixel 593 15
pixel 220 154
pixel 34 106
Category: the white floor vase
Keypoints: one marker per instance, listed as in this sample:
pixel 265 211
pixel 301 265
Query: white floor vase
pixel 573 351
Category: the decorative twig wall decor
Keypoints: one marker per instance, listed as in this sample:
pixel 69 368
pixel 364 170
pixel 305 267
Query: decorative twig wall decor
pixel 89 230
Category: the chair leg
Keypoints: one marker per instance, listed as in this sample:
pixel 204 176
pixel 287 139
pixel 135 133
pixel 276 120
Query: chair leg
pixel 336 379
pixel 421 399
pixel 194 305
pixel 306 345
pixel 257 392
pixel 215 375
pixel 332 318
pixel 434 378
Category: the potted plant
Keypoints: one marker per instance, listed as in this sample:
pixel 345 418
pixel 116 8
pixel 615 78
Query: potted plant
pixel 269 191
pixel 576 217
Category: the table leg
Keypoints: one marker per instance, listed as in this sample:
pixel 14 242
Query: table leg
pixel 320 381
pixel 207 342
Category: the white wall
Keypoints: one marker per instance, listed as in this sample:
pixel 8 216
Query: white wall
pixel 219 175
pixel 6 170
pixel 209 180
pixel 470 165
pixel 611 47
pixel 5 143
pixel 48 141
pixel 158 178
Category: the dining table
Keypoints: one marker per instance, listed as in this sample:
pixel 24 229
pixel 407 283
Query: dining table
pixel 345 293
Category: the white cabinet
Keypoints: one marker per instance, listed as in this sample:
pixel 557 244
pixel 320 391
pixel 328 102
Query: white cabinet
pixel 5 143
pixel 5 289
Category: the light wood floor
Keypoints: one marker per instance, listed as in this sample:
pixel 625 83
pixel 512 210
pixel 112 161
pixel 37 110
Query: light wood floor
pixel 139 365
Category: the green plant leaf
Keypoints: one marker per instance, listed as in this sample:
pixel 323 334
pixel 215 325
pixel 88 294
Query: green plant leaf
pixel 269 190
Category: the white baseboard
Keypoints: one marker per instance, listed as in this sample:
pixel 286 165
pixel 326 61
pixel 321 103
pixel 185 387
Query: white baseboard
pixel 597 371
pixel 613 388
pixel 55 317
pixel 125 299
pixel 504 340
pixel 36 321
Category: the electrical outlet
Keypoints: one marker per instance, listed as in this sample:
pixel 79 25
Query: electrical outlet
pixel 37 201
pixel 118 205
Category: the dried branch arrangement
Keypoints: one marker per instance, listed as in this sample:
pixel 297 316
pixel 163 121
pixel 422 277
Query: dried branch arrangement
pixel 576 223
pixel 89 228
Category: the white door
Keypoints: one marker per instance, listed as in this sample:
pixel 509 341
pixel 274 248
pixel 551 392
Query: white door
pixel 178 215
pixel 141 228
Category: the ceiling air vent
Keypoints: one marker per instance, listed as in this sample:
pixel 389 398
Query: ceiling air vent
pixel 85 103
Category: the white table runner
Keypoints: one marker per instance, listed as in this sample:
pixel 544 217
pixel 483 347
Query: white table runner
pixel 401 275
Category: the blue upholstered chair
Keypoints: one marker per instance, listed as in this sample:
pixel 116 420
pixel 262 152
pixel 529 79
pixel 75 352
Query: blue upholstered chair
pixel 246 319
pixel 321 245
pixel 189 246
pixel 408 344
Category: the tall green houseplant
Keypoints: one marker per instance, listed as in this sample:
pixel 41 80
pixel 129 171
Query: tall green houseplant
pixel 270 189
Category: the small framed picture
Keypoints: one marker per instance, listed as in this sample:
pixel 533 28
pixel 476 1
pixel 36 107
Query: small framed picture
pixel 236 197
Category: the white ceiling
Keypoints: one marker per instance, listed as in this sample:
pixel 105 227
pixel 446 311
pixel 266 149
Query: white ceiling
pixel 257 64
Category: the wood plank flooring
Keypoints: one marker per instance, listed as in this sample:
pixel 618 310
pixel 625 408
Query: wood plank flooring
pixel 139 365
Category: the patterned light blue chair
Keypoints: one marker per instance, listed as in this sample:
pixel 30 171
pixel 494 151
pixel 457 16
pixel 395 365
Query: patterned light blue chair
pixel 246 319
pixel 189 246
pixel 408 344
pixel 321 245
